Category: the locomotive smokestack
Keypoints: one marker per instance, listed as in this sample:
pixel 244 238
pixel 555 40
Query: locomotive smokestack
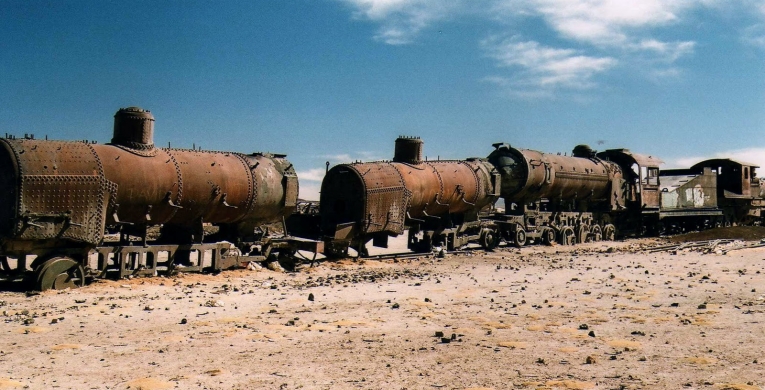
pixel 584 151
pixel 408 150
pixel 134 128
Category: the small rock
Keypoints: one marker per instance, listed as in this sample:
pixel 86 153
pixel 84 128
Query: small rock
pixel 591 334
pixel 274 266
pixel 184 321
pixel 395 306
pixel 214 303
pixel 584 327
pixel 590 360
pixel 310 297
pixel 439 334
pixel 148 308
pixel 702 306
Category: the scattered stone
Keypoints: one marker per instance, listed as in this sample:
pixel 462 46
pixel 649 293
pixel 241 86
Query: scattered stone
pixel 395 306
pixel 584 327
pixel 590 360
pixel 310 297
pixel 591 334
pixel 214 303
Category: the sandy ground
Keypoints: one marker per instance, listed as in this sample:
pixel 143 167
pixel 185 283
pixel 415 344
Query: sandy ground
pixel 595 316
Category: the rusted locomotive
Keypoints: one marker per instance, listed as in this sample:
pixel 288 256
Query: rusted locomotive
pixel 548 198
pixel 711 193
pixel 59 197
pixel 437 201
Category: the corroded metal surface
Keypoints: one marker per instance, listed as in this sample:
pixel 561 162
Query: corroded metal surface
pixel 56 191
pixel 365 198
pixel 529 175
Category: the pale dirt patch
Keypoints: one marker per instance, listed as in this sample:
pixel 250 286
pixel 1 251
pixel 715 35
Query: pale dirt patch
pixel 351 337
pixel 570 384
pixel 513 344
pixel 700 360
pixel 621 344
pixel 6 383
pixel 736 386
pixel 61 347
pixel 149 384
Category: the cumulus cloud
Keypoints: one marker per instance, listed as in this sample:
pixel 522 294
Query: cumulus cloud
pixel 310 190
pixel 543 68
pixel 604 22
pixel 316 174
pixel 750 155
pixel 402 20
pixel 588 37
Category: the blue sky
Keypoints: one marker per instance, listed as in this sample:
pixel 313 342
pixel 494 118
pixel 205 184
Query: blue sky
pixel 338 80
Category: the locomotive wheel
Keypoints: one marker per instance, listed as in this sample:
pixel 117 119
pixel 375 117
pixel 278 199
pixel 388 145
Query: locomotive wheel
pixel 567 236
pixel 59 273
pixel 609 232
pixel 520 237
pixel 596 233
pixel 488 240
pixel 548 236
pixel 582 232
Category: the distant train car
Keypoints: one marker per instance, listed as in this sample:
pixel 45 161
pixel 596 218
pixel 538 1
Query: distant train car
pixel 59 197
pixel 715 192
pixel 437 201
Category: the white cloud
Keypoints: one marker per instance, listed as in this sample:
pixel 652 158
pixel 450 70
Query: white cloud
pixel 316 174
pixel 750 155
pixel 606 22
pixel 755 35
pixel 590 37
pixel 309 191
pixel 402 20
pixel 544 67
pixel 668 51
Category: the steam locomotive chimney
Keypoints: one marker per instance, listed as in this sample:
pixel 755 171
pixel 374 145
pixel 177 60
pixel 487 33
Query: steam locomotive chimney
pixel 584 151
pixel 134 128
pixel 408 150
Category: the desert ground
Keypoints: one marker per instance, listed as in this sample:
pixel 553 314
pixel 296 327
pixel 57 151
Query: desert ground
pixel 606 315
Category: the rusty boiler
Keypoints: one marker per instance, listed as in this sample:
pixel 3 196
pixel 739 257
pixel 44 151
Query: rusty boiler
pixel 529 175
pixel 361 199
pixel 61 190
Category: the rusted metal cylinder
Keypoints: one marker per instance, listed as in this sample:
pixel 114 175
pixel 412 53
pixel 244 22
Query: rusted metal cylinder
pixel 446 187
pixel 377 197
pixel 58 190
pixel 408 150
pixel 134 128
pixel 529 175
